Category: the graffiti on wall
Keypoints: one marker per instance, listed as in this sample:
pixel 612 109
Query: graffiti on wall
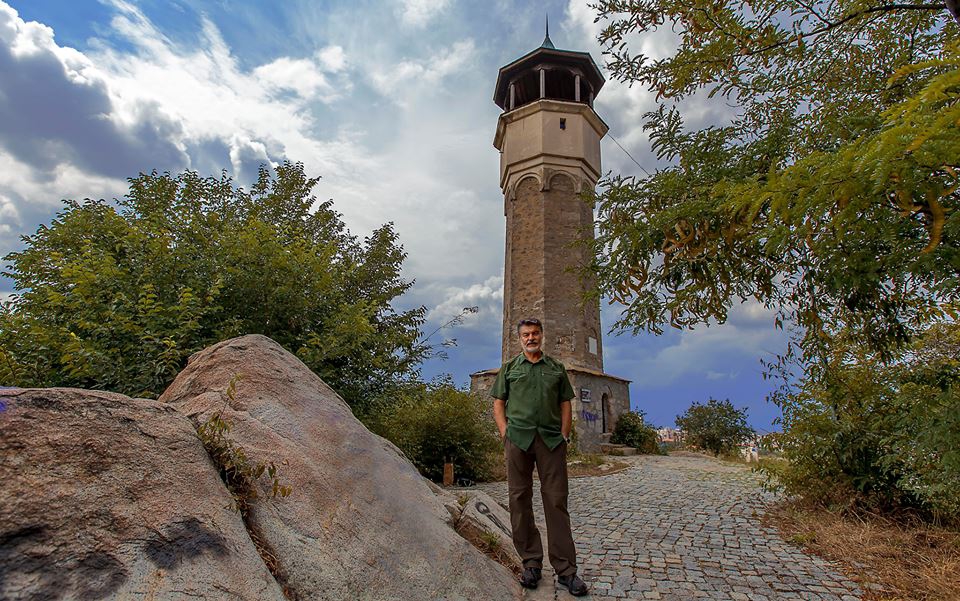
pixel 588 416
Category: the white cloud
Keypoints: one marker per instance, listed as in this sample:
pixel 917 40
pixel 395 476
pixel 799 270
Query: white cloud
pixel 28 196
pixel 418 13
pixel 302 76
pixel 722 375
pixel 156 105
pixel 409 76
pixel 487 296
pixel 306 76
pixel 9 216
pixel 332 58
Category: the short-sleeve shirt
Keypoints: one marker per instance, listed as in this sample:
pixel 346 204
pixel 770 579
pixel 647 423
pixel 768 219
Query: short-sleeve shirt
pixel 533 392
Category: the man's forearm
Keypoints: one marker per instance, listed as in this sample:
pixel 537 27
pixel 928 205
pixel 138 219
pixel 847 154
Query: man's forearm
pixel 566 418
pixel 500 416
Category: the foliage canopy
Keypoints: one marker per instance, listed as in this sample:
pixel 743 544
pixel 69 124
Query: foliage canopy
pixel 831 195
pixel 633 431
pixel 117 297
pixel 718 426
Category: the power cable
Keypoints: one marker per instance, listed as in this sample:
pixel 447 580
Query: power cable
pixel 628 154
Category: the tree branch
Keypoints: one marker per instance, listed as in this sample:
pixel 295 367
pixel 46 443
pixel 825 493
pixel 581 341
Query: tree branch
pixel 876 9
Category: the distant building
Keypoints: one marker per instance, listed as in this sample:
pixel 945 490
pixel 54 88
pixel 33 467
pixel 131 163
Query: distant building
pixel 549 141
pixel 670 435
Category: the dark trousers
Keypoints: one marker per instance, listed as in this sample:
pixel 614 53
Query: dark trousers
pixel 552 469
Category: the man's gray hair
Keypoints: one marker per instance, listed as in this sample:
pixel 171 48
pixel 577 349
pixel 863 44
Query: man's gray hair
pixel 529 321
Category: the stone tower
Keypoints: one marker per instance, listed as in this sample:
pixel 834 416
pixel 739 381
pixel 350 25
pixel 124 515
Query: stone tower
pixel 549 141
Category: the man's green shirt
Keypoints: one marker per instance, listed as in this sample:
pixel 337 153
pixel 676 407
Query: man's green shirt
pixel 533 392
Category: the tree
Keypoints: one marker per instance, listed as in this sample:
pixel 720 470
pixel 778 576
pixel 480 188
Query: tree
pixel 117 297
pixel 831 195
pixel 717 427
pixel 633 430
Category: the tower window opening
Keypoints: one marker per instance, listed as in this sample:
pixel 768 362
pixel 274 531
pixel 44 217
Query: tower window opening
pixel 527 88
pixel 563 123
pixel 560 85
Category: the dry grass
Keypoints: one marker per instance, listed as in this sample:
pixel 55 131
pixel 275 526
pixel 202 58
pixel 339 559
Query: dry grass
pixel 489 544
pixel 892 561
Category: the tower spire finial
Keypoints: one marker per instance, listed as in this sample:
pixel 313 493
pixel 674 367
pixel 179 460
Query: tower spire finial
pixel 547 43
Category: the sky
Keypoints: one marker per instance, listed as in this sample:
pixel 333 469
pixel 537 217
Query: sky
pixel 389 101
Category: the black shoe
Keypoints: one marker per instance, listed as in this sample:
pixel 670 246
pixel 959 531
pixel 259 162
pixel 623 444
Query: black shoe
pixel 574 584
pixel 530 577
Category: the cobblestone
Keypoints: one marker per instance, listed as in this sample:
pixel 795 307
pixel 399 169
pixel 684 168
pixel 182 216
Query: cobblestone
pixel 680 528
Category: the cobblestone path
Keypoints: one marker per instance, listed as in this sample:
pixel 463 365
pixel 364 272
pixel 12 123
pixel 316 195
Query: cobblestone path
pixel 683 527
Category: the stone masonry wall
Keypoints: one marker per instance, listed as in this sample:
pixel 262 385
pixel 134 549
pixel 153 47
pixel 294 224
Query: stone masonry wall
pixel 542 271
pixel 609 398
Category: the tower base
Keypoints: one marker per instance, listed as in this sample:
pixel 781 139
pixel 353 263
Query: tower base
pixel 600 400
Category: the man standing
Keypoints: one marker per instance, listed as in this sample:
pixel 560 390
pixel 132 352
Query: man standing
pixel 532 410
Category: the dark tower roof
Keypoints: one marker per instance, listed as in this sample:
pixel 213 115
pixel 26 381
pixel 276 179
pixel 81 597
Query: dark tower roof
pixel 547 56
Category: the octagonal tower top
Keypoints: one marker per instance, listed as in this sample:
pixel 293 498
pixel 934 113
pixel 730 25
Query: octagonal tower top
pixel 548 73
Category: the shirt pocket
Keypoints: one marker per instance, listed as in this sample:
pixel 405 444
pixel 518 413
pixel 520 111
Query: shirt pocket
pixel 551 375
pixel 516 376
pixel 551 383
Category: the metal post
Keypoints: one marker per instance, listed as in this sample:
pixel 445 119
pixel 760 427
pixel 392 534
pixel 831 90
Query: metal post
pixel 576 88
pixel 543 83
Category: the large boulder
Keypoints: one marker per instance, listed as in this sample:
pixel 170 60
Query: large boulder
pixel 360 523
pixel 108 497
pixel 487 525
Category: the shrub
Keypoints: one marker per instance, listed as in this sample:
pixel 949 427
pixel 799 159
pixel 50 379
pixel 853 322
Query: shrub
pixel 717 427
pixel 633 431
pixel 434 423
pixel 884 437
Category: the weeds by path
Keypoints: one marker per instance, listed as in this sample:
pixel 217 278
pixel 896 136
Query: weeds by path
pixel 892 561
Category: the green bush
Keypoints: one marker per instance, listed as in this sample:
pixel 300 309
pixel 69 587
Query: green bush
pixel 885 437
pixel 434 423
pixel 717 427
pixel 633 431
